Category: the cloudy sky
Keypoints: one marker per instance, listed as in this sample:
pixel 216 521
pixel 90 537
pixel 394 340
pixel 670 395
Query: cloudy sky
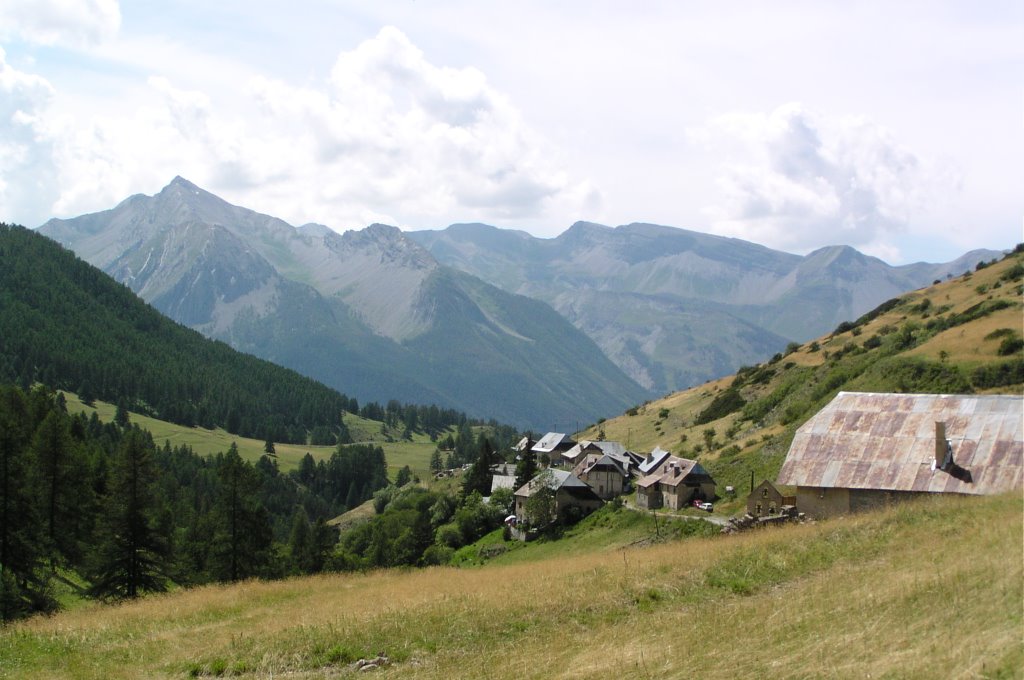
pixel 897 128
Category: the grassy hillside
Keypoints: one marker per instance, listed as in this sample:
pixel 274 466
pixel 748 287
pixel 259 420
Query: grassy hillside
pixel 415 453
pixel 959 335
pixel 928 587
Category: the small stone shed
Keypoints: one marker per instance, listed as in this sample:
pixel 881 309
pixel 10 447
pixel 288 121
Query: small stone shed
pixel 766 500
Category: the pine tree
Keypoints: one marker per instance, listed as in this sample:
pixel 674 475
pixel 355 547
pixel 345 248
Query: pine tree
pixel 300 543
pixel 121 414
pixel 131 557
pixel 478 477
pixel 21 532
pixel 526 469
pixel 243 536
pixel 63 489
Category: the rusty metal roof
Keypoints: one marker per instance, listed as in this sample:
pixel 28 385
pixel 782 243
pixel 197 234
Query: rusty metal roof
pixel 887 441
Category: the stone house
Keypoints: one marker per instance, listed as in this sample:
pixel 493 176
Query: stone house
pixel 571 496
pixel 604 474
pixel 767 501
pixel 674 483
pixel 863 450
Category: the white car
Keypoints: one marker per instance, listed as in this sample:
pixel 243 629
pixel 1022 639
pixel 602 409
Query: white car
pixel 707 506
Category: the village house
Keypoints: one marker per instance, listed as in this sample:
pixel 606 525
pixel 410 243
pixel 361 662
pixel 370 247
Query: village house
pixel 524 444
pixel 863 450
pixel 673 482
pixel 767 501
pixel 616 450
pixel 607 476
pixel 652 462
pixel 571 494
pixel 552 445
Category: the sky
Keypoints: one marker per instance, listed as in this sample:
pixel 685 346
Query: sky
pixel 896 128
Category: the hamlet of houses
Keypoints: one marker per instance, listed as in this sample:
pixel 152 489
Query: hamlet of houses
pixel 584 475
pixel 860 451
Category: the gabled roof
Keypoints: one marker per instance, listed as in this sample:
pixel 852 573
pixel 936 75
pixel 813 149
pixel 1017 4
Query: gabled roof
pixel 503 482
pixel 596 461
pixel 551 441
pixel 523 444
pixel 657 457
pixel 559 479
pixel 586 446
pixel 766 484
pixel 673 471
pixel 887 442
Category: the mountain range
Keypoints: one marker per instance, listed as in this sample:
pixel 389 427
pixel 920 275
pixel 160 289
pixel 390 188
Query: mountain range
pixel 674 308
pixel 538 333
pixel 370 313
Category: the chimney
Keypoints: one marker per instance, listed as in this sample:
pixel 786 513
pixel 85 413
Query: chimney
pixel 943 450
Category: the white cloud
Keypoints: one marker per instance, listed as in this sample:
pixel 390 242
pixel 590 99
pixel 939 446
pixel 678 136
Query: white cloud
pixel 28 173
pixel 794 179
pixel 66 22
pixel 387 137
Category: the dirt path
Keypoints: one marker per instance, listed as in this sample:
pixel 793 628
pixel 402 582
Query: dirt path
pixel 717 520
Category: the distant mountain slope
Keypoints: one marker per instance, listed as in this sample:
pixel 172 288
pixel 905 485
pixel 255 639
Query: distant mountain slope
pixel 71 326
pixel 674 307
pixel 958 336
pixel 369 312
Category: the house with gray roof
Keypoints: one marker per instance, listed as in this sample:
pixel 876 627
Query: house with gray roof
pixel 571 495
pixel 553 444
pixel 605 474
pixel 616 450
pixel 867 449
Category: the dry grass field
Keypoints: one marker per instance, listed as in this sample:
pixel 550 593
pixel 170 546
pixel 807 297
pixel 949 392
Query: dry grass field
pixel 922 590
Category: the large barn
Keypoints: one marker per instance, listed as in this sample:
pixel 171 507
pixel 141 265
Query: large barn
pixel 864 450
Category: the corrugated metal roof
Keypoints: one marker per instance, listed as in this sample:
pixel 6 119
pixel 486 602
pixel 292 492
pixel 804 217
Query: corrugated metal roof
pixel 887 441
pixel 549 442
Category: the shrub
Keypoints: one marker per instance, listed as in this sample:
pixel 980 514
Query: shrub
pixel 998 375
pixel 1010 346
pixel 873 342
pixel 1013 273
pixel 1000 333
pixel 725 403
pixel 843 327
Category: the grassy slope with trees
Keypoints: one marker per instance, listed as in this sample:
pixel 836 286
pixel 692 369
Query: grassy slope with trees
pixel 965 337
pixel 962 335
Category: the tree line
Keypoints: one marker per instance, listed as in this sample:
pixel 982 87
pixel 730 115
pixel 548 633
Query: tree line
pixel 104 502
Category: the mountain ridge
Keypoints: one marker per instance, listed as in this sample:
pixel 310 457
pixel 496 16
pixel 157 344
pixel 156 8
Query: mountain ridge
pixel 676 273
pixel 364 310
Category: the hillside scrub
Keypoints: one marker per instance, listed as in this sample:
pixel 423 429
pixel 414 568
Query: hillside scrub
pixel 899 592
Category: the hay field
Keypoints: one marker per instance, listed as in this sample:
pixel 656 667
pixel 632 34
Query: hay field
pixel 925 589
